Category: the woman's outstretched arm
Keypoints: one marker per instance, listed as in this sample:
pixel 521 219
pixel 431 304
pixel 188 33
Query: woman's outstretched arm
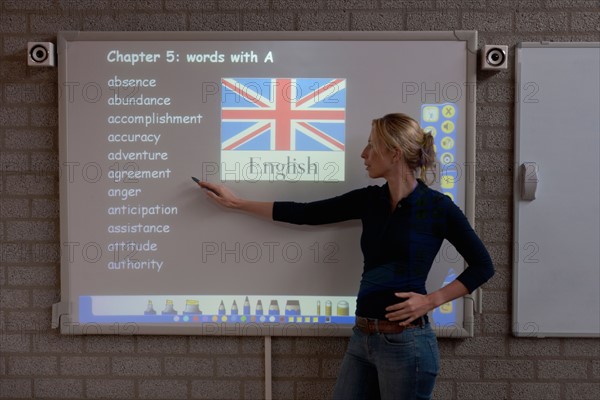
pixel 225 197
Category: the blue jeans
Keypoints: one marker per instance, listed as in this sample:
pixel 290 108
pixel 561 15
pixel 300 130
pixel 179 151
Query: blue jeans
pixel 397 366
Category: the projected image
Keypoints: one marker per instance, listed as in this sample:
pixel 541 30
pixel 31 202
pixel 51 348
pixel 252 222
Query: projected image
pixel 271 119
pixel 283 129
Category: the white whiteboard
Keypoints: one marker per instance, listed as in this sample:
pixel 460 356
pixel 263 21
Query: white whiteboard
pixel 211 270
pixel 556 289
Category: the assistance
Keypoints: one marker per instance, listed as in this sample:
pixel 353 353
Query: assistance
pixel 139 228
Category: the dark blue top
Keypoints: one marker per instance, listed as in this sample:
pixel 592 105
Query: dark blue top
pixel 399 247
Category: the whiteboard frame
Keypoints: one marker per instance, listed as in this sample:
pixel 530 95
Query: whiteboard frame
pixel 520 328
pixel 61 311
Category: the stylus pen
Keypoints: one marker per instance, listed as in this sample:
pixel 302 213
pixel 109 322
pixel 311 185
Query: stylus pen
pixel 198 182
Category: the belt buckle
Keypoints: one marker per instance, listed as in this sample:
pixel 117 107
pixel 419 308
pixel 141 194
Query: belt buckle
pixel 363 324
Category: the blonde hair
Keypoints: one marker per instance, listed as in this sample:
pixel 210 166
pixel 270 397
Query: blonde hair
pixel 400 132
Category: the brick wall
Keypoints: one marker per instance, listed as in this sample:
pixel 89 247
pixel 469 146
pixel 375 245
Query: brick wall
pixel 36 362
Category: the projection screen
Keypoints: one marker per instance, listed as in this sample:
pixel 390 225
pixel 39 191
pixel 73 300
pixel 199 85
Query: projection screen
pixel 274 116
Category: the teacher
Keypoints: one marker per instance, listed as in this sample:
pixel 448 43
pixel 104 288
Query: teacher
pixel 393 352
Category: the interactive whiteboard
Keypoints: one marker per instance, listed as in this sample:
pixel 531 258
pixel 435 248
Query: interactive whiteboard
pixel 276 116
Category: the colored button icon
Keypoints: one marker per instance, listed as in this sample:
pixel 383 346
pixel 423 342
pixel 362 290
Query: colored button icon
pixel 447 182
pixel 446 308
pixel 448 111
pixel 431 114
pixel 431 130
pixel 447 143
pixel 447 158
pixel 448 126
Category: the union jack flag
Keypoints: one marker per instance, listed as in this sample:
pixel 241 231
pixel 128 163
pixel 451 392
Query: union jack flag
pixel 283 114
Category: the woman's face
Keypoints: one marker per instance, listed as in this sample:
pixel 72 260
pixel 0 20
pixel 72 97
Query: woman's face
pixel 378 163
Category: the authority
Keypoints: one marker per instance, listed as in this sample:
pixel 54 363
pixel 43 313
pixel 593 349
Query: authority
pixel 143 211
pixel 150 265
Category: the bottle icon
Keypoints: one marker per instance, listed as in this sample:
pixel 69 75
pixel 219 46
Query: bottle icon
pixel 169 310
pixel 221 309
pixel 292 307
pixel 445 314
pixel 234 308
pixel 259 308
pixel 192 307
pixel 328 308
pixel 150 309
pixel 274 308
pixel 343 308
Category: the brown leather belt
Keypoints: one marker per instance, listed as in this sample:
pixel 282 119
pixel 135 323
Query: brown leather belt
pixel 371 326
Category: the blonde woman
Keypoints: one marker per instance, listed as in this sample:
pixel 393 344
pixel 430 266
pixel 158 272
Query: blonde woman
pixel 393 352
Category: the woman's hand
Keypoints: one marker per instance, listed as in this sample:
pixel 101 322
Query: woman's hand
pixel 415 306
pixel 221 194
pixel 224 196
